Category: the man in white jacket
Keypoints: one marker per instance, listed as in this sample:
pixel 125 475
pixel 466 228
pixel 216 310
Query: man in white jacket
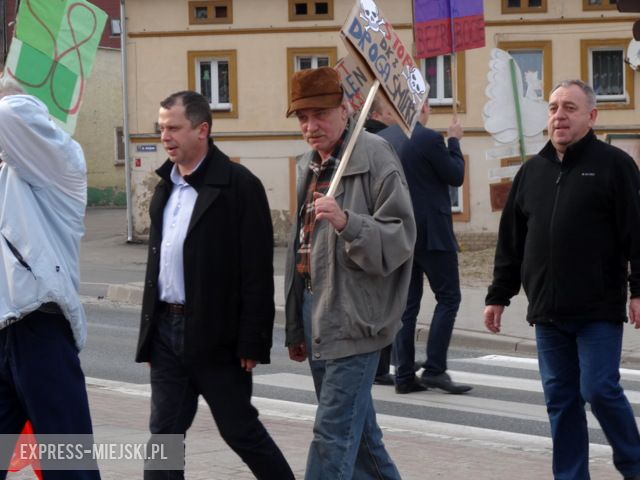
pixel 42 322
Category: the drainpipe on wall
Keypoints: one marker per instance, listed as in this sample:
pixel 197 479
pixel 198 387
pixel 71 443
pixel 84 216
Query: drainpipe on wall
pixel 125 125
pixel 3 36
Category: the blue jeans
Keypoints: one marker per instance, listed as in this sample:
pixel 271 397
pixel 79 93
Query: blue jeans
pixel 441 269
pixel 347 441
pixel 580 361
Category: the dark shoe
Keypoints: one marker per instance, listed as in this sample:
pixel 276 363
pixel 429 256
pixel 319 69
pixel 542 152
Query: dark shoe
pixel 410 387
pixel 386 379
pixel 443 382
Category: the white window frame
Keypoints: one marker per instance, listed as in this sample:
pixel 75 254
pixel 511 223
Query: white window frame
pixel 116 27
pixel 440 99
pixel 524 8
pixel 314 60
pixel 215 104
pixel 604 5
pixel 609 98
pixel 311 11
pixel 459 207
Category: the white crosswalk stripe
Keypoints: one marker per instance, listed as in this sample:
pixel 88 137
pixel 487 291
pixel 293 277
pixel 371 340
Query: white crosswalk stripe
pixel 434 399
pixel 306 412
pixel 531 364
pixel 499 391
pixel 496 395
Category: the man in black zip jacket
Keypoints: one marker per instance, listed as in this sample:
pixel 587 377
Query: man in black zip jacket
pixel 569 231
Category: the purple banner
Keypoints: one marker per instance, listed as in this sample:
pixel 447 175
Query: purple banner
pixel 437 21
pixel 427 10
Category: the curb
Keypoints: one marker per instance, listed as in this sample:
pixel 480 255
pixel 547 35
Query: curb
pixel 461 338
pixel 127 293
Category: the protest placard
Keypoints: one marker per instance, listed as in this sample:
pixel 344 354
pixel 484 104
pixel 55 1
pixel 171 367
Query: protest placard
pixel 447 26
pixel 355 79
pixel 356 83
pixel 52 53
pixel 376 47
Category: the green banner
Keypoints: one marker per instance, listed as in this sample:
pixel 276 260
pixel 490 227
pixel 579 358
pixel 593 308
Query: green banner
pixel 53 51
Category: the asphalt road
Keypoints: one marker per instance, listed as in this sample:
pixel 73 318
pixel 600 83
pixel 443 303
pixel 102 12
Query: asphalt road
pixel 112 337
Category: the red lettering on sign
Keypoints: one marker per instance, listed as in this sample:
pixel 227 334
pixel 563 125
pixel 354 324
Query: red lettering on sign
pixel 433 38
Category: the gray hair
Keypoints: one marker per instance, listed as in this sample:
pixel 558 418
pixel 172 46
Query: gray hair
pixel 347 104
pixel 585 87
pixel 8 86
pixel 377 105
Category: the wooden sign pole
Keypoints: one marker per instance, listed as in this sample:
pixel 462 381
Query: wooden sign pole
pixel 352 139
pixel 516 102
pixel 454 63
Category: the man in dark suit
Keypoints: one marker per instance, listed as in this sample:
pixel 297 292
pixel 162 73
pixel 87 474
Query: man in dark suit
pixel 380 117
pixel 430 167
pixel 207 312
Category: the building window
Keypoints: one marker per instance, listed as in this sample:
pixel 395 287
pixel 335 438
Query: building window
pixel 524 6
pixel 438 73
pixel 599 4
pixel 606 72
pixel 213 74
pixel 460 204
pixel 534 61
pixel 455 193
pixel 212 11
pixel 119 145
pixel 212 81
pixel 116 28
pixel 310 10
pixel 303 58
pixel 604 68
pixel 311 61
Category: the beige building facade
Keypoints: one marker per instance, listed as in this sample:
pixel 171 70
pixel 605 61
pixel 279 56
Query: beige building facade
pixel 99 131
pixel 241 53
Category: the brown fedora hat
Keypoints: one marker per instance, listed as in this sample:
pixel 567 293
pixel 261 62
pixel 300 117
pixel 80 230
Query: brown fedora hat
pixel 315 88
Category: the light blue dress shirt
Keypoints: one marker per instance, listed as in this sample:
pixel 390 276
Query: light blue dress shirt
pixel 175 223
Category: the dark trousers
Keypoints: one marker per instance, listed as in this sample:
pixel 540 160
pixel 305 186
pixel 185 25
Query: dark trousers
pixel 441 269
pixel 41 381
pixel 175 388
pixel 385 361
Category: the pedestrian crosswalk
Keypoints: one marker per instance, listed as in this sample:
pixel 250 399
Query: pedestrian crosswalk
pixel 531 364
pixel 505 410
pixel 505 407
pixel 506 404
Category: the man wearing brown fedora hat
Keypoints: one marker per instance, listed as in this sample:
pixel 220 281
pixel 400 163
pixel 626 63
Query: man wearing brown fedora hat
pixel 347 275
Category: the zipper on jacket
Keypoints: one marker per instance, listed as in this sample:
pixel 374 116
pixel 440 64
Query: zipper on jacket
pixel 551 227
pixel 558 180
pixel 18 256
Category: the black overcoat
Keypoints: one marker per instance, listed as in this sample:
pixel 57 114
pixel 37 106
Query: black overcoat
pixel 228 265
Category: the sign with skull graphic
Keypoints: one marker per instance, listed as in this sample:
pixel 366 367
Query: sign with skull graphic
pixel 375 46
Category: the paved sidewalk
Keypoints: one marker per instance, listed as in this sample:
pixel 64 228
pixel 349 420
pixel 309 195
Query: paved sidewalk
pixel 421 449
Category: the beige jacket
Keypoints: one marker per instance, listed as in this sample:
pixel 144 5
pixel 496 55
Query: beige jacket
pixel 360 277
